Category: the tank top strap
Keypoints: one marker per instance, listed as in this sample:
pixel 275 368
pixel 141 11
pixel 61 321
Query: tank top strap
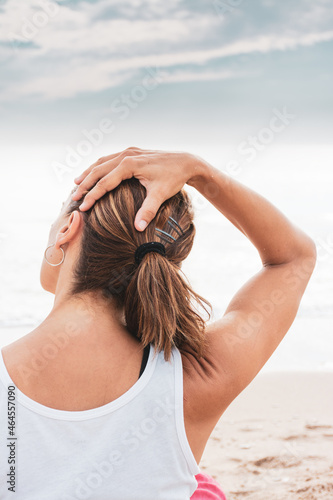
pixel 144 359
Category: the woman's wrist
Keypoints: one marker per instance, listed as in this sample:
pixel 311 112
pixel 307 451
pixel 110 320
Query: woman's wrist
pixel 199 171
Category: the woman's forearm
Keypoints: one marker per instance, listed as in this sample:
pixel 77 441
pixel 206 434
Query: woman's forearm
pixel 277 240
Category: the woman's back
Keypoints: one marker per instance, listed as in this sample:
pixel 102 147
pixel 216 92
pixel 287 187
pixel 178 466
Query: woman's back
pixel 148 457
pixel 74 374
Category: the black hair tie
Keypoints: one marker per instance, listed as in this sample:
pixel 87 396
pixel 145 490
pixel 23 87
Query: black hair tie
pixel 153 246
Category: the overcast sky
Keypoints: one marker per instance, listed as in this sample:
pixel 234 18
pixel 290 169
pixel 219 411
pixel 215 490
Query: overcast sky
pixel 185 70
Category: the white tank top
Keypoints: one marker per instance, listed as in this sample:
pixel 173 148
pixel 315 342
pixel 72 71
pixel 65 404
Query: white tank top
pixel 134 448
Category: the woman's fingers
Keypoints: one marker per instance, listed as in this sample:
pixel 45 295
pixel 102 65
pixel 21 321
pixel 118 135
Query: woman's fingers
pixel 96 173
pixel 125 170
pixel 84 174
pixel 105 159
pixel 149 209
pixel 159 172
pixel 102 167
pixel 107 183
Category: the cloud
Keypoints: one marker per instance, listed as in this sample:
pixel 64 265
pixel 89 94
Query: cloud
pixel 195 76
pixel 72 48
pixel 70 79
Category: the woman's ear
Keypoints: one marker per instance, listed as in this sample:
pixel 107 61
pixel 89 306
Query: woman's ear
pixel 70 230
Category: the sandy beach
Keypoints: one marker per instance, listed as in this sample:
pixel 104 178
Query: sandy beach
pixel 275 441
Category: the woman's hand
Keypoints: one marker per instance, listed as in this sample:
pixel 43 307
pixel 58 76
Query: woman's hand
pixel 162 173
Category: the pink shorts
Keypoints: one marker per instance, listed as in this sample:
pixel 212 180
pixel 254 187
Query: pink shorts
pixel 208 489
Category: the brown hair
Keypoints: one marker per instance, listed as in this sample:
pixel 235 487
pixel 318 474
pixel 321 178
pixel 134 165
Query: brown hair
pixel 157 299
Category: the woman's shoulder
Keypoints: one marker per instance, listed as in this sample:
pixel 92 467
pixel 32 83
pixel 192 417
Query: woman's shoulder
pixel 16 362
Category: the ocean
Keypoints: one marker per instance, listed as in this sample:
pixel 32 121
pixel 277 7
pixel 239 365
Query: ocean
pixel 298 179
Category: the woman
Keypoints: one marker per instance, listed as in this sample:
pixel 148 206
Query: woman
pixel 90 423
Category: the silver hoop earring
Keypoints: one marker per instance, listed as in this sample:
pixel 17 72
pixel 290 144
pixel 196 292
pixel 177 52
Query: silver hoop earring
pixel 54 265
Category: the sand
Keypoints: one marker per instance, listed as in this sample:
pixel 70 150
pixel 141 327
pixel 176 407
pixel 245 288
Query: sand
pixel 275 441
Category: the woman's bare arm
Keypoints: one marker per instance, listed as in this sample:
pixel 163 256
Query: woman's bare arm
pixel 262 311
